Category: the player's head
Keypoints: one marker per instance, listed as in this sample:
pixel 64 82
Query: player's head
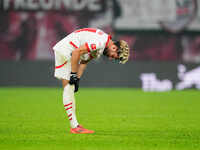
pixel 118 50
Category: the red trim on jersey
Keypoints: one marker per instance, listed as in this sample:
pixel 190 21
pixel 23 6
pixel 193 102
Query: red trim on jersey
pixel 69 108
pixel 70 119
pixel 109 38
pixel 68 104
pixel 86 29
pixel 100 32
pixel 57 67
pixel 73 44
pixel 88 49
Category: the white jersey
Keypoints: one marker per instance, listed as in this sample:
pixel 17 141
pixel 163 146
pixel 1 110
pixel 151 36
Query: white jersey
pixel 94 39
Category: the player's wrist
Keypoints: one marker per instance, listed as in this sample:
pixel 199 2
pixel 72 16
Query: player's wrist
pixel 73 72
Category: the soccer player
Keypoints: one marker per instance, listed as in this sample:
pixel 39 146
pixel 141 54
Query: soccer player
pixel 73 53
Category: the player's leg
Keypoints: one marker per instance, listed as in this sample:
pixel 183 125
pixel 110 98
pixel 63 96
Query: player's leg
pixel 69 103
pixel 62 72
pixel 79 129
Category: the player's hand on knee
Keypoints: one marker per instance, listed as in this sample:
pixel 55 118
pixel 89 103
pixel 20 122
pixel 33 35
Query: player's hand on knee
pixel 74 80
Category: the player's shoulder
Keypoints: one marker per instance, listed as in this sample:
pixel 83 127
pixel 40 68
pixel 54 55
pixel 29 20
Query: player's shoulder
pixel 96 31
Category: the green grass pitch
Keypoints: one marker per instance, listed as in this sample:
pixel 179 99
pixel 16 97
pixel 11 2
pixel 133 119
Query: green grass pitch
pixel 123 119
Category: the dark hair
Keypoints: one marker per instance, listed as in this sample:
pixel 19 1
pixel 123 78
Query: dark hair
pixel 117 43
pixel 105 52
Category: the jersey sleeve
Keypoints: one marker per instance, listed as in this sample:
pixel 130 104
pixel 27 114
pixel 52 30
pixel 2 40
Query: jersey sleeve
pixel 94 45
pixel 97 45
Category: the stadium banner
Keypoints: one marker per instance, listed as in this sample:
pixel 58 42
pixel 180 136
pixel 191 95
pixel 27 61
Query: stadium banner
pixel 29 28
pixel 172 15
pixel 149 76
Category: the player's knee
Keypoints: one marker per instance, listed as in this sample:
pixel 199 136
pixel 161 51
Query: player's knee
pixel 65 82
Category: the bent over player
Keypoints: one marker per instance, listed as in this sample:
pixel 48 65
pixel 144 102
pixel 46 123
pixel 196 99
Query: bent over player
pixel 71 57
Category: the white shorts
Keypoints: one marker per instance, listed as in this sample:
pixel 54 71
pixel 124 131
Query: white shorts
pixel 62 66
pixel 63 50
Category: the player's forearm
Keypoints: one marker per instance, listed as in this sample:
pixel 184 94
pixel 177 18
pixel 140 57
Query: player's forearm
pixel 76 57
pixel 81 69
pixel 74 61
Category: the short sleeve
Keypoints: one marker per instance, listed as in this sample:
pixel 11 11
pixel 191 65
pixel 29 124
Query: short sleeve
pixel 94 45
